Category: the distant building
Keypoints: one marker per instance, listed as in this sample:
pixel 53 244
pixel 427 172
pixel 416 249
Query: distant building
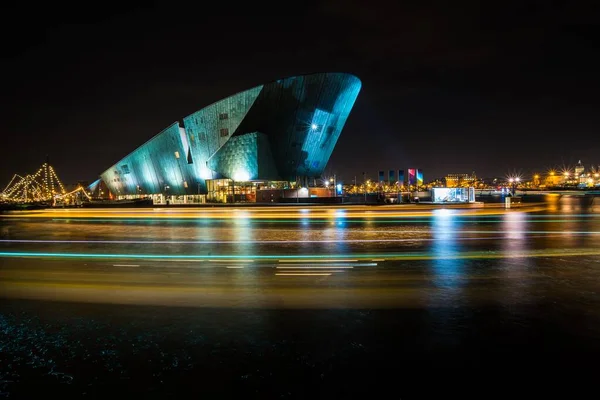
pixel 581 177
pixel 579 169
pixel 460 180
pixel 553 179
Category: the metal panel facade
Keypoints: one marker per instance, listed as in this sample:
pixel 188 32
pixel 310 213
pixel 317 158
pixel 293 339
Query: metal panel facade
pixel 239 158
pixel 211 127
pixel 291 127
pixel 303 118
pixel 158 166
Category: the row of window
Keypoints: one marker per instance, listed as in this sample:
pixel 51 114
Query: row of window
pixel 201 136
pixel 222 116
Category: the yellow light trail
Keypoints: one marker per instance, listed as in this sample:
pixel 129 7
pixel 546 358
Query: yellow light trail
pixel 274 212
pixel 307 274
pixel 309 260
pixel 313 267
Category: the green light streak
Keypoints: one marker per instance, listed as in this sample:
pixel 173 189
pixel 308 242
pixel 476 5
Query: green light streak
pixel 194 256
pixel 387 256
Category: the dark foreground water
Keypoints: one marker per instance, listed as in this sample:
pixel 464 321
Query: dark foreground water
pixel 99 351
pixel 503 305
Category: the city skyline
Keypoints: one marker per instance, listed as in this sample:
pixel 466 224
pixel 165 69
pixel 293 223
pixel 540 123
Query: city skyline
pixel 518 95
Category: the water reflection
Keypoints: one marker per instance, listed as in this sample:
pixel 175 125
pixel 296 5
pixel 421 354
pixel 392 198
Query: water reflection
pixel 336 231
pixel 445 302
pixel 446 269
pixel 516 269
pixel 242 232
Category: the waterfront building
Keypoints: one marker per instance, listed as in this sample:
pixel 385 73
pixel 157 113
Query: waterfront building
pixel 283 131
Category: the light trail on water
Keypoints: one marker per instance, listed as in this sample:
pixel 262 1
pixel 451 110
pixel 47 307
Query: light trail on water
pixel 557 233
pixel 317 257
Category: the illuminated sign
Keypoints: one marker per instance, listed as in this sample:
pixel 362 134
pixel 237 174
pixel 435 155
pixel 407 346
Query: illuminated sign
pixel 412 176
pixel 392 177
pixel 419 177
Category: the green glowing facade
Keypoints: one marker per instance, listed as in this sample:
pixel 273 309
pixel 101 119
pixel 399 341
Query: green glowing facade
pixel 278 131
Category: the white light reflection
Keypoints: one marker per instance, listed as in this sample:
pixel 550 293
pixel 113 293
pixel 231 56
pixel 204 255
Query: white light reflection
pixel 515 272
pixel 446 270
pixel 334 240
pixel 340 218
pixel 305 220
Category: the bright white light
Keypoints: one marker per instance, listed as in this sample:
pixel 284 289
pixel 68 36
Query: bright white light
pixel 241 176
pixel 517 179
pixel 314 127
pixel 205 173
pixel 443 212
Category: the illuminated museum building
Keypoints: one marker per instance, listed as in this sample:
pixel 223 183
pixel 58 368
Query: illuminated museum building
pixel 270 135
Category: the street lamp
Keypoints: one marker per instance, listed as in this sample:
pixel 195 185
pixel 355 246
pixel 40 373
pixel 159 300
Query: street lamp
pixel 513 183
pixel 333 181
pixel 365 187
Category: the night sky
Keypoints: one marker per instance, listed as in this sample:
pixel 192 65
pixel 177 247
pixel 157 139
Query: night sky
pixel 455 87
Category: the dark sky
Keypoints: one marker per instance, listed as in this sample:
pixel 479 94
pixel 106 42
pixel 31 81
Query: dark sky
pixel 487 86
